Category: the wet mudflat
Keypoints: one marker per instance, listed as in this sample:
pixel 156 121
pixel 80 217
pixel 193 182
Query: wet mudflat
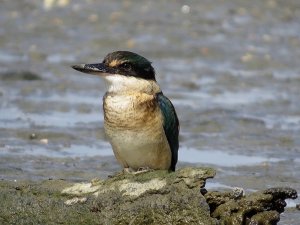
pixel 230 67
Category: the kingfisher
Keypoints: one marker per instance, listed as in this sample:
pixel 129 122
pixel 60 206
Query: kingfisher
pixel 140 122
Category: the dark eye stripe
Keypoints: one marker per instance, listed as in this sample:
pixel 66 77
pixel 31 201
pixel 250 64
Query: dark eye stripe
pixel 130 64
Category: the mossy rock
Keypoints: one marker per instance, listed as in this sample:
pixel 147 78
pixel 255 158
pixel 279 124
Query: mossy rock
pixel 156 197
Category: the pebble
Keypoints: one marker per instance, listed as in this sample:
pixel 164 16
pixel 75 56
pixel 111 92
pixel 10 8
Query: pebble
pixel 185 9
pixel 238 192
pixel 32 136
pixel 44 141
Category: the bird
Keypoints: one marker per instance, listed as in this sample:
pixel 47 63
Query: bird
pixel 140 122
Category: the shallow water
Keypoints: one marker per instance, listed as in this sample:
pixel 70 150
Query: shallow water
pixel 231 68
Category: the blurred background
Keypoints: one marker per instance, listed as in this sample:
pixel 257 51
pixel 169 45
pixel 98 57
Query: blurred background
pixel 231 68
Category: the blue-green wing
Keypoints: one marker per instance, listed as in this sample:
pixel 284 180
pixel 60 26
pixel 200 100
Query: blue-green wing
pixel 171 126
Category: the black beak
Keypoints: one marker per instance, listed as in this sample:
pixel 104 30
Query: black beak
pixel 96 69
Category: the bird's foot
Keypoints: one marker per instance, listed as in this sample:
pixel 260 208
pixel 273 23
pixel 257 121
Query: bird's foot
pixel 139 171
pixel 144 170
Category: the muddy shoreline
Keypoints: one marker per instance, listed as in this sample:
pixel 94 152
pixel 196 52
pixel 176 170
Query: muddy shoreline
pixel 231 68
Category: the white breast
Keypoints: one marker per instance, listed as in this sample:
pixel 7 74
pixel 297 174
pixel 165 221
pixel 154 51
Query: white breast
pixel 133 124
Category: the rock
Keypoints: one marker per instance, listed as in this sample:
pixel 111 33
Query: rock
pixel 157 197
pixel 262 207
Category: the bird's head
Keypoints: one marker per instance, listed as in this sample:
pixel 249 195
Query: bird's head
pixel 123 70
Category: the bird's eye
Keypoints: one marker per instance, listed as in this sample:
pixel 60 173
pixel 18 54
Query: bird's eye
pixel 126 66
